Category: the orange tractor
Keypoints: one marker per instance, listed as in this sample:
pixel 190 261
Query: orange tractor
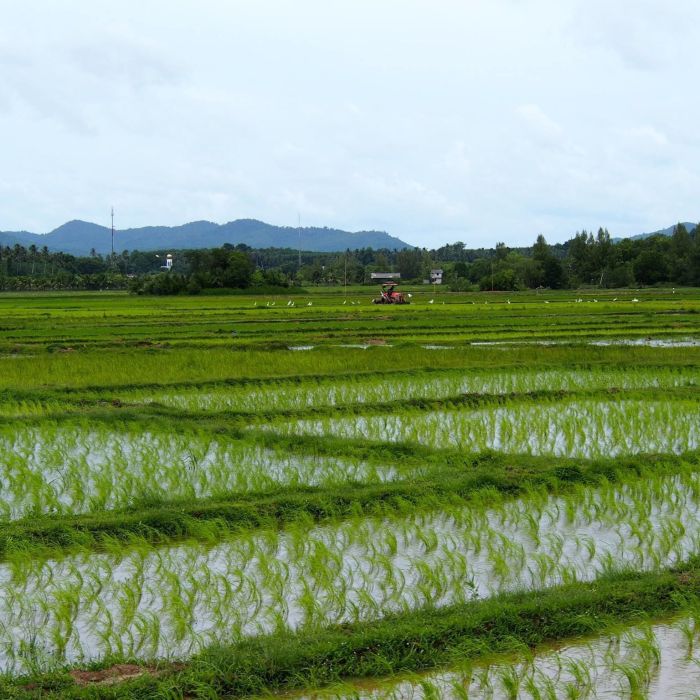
pixel 390 295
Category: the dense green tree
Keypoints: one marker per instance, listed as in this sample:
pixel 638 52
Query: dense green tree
pixel 410 263
pixel 651 266
pixel 586 259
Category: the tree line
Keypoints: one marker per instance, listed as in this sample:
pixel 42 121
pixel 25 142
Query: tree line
pixel 587 259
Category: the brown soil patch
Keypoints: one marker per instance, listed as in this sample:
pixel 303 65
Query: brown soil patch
pixel 376 341
pixel 111 675
pixel 685 577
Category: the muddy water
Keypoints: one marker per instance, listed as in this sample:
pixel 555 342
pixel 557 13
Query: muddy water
pixel 584 429
pixel 312 394
pixel 643 342
pixel 74 468
pixel 171 601
pixel 659 661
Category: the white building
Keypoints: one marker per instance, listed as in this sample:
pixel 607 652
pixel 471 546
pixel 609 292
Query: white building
pixel 436 277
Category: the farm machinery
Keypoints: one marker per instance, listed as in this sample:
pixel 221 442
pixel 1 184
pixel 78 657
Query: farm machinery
pixel 390 295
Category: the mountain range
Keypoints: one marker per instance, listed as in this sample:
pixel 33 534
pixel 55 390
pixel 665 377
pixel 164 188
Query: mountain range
pixel 689 227
pixel 80 237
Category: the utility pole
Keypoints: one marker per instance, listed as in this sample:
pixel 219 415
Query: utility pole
pixel 299 233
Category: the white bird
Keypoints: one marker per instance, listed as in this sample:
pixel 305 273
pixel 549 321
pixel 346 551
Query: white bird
pixel 595 300
pixel 410 296
pixel 546 302
pixel 255 303
pixel 345 302
pixel 268 304
pixel 273 303
pixel 508 301
pixel 615 299
pixel 635 299
pixel 431 301
pixel 289 303
pixel 309 304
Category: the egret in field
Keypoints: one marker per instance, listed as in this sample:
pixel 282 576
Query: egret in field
pixel 431 301
pixel 345 302
pixel 310 304
pixel 410 296
pixel 508 301
pixel 635 300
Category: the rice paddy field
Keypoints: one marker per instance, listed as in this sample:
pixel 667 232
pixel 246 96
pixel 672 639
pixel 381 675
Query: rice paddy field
pixel 308 496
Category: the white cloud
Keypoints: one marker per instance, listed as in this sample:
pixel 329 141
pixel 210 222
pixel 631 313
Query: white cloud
pixel 543 127
pixel 481 121
pixel 643 34
pixel 648 135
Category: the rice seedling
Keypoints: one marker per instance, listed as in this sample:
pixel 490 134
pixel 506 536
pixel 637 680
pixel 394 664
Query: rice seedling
pixel 78 468
pixel 586 429
pixel 370 486
pixel 357 570
pixel 294 395
pixel 646 664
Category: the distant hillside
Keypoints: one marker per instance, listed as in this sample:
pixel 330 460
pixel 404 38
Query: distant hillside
pixel 80 237
pixel 689 225
pixel 24 238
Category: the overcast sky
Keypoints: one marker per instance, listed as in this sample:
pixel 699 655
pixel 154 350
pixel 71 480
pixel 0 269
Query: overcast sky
pixel 435 120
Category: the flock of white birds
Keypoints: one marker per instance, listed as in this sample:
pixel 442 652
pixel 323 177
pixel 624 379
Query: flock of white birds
pixel 291 303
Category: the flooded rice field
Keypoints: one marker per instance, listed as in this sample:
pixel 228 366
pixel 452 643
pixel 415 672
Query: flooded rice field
pixel 169 602
pixel 585 429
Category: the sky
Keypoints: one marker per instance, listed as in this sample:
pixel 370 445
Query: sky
pixel 435 120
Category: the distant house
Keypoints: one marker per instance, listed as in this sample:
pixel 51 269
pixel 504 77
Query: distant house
pixel 436 277
pixel 385 275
